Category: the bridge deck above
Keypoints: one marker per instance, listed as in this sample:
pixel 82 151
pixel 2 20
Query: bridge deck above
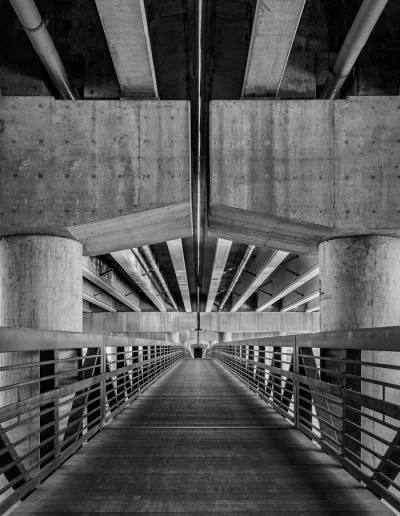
pixel 199 442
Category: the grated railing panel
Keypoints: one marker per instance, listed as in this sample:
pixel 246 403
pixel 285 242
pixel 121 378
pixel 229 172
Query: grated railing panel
pixel 342 389
pixel 58 389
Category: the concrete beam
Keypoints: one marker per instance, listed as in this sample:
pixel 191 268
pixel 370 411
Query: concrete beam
pixel 97 302
pixel 111 174
pixel 130 322
pixel 146 322
pixel 125 27
pixel 298 282
pixel 131 265
pixel 311 170
pixel 301 301
pixel 104 285
pixel 220 258
pixel 269 262
pixel 274 28
pixel 178 260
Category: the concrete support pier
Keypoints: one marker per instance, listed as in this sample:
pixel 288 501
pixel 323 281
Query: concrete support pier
pixel 41 283
pixel 41 288
pixel 360 282
pixel 360 288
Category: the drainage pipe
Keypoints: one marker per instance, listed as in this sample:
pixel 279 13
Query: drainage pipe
pixel 355 41
pixel 242 265
pixel 35 28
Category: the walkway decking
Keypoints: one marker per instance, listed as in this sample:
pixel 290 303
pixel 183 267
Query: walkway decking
pixel 199 442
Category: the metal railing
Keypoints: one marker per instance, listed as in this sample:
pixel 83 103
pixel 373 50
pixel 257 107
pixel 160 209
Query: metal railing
pixel 58 389
pixel 342 389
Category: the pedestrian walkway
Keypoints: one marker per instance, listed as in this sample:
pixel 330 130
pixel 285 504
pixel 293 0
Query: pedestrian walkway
pixel 199 442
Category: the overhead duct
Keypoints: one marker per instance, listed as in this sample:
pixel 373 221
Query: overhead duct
pixel 36 29
pixel 355 41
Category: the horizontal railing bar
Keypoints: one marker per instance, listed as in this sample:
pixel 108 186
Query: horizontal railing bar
pixel 49 440
pixel 19 407
pixel 44 427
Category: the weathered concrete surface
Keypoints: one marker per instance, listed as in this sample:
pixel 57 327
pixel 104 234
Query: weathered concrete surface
pixel 274 27
pixel 265 263
pixel 40 288
pixel 360 282
pixel 175 248
pixel 360 286
pixel 97 171
pixel 220 258
pixel 301 171
pixel 130 322
pixel 125 27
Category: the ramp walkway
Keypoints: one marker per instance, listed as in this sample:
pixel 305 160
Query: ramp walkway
pixel 200 442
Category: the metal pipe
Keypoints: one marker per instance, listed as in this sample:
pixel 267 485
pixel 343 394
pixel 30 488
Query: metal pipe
pixel 35 28
pixel 242 265
pixel 355 41
pixel 149 255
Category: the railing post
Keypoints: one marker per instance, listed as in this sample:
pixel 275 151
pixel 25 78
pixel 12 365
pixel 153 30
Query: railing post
pixel 296 382
pixel 103 397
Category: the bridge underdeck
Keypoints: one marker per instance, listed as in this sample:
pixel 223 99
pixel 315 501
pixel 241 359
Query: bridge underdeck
pixel 200 442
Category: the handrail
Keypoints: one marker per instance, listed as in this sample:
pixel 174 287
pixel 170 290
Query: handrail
pixel 341 388
pixel 58 389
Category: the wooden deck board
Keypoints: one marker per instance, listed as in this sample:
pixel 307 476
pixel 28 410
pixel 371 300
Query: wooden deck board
pixel 199 442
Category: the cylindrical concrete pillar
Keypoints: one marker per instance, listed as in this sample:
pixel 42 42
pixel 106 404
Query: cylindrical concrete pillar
pixel 360 282
pixel 40 288
pixel 360 288
pixel 41 283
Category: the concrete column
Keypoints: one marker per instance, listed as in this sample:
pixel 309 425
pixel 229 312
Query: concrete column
pixel 360 282
pixel 360 288
pixel 41 288
pixel 41 283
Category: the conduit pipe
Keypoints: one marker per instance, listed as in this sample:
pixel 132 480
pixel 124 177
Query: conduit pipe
pixel 242 265
pixel 355 41
pixel 150 257
pixel 35 28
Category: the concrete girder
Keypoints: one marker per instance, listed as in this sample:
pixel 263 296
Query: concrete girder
pixel 132 266
pixel 125 27
pixel 131 322
pixel 274 29
pixel 311 170
pixel 178 260
pixel 220 258
pixel 111 174
pixel 104 285
pixel 301 301
pixel 298 282
pixel 270 260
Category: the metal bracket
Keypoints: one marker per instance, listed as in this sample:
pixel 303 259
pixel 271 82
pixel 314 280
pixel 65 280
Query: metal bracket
pixel 293 272
pixel 105 272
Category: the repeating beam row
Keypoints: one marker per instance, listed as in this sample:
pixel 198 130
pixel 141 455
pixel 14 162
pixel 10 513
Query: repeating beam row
pixel 298 282
pixel 130 263
pixel 265 270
